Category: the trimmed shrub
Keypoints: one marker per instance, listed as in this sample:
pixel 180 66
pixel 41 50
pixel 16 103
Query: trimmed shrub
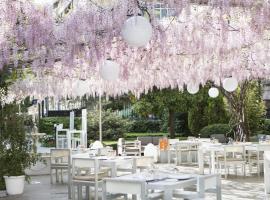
pixel 113 126
pixel 46 124
pixel 209 130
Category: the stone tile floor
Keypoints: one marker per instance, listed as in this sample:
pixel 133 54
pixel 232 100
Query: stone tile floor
pixel 233 188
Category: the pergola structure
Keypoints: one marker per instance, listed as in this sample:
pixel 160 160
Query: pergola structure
pixel 62 46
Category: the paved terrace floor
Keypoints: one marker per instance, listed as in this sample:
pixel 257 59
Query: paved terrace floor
pixel 233 188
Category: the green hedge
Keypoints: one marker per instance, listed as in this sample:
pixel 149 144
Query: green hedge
pixel 46 124
pixel 207 131
pixel 144 126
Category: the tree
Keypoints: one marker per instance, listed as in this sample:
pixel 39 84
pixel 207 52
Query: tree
pixel 159 102
pixel 205 110
pixel 246 108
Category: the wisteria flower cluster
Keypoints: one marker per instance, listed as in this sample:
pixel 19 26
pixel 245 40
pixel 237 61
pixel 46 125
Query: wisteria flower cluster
pixel 66 44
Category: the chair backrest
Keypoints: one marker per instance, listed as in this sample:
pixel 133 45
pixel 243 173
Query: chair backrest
pixel 143 162
pixel 106 151
pixel 151 150
pixel 209 183
pixel 116 186
pixel 234 150
pixel 60 155
pixel 87 165
pixel 267 171
pixel 263 147
pixel 173 141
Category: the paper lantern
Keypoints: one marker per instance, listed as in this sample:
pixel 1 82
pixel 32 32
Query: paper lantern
pixel 193 88
pixel 230 84
pixel 137 31
pixel 110 70
pixel 213 92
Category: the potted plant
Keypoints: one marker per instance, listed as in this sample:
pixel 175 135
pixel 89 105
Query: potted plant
pixel 15 150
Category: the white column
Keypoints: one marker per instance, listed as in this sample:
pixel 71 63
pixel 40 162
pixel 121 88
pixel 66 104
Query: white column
pixel 84 128
pixel 71 120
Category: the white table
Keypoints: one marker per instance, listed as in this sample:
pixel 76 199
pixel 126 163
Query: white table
pixel 214 148
pixel 112 162
pixel 167 184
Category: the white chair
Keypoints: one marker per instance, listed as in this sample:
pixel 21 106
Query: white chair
pixel 143 162
pixel 152 151
pixel 256 157
pixel 190 149
pixel 267 174
pixel 132 148
pixel 60 160
pixel 87 172
pixel 205 184
pixel 112 187
pixel 234 155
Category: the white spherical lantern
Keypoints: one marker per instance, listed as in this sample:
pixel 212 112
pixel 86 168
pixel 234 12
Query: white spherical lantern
pixel 213 92
pixel 230 84
pixel 110 70
pixel 137 31
pixel 193 88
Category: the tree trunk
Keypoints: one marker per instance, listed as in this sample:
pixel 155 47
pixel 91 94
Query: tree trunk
pixel 237 103
pixel 171 123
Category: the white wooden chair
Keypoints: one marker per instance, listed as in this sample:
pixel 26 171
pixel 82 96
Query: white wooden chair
pixel 267 174
pixel 152 151
pixel 60 160
pixel 234 155
pixel 256 157
pixel 87 172
pixel 143 162
pixel 190 149
pixel 205 184
pixel 112 187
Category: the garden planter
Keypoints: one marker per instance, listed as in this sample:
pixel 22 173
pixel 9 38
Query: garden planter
pixel 14 184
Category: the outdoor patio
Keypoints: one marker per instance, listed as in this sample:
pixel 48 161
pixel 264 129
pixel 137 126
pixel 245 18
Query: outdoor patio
pixel 135 99
pixel 234 188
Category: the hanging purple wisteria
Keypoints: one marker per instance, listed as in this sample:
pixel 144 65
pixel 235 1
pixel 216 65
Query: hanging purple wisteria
pixel 65 44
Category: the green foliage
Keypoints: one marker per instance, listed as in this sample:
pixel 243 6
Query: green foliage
pixel 207 131
pixel 46 125
pixel 205 110
pixel 166 102
pixel 144 126
pixel 255 108
pixel 113 126
pixel 15 150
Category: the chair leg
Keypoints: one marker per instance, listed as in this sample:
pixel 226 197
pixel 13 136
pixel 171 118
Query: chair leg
pixel 72 192
pixel 51 171
pixel 79 192
pixel 56 174
pixel 87 192
pixel 62 181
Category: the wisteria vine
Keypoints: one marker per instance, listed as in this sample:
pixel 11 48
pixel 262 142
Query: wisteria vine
pixel 64 45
